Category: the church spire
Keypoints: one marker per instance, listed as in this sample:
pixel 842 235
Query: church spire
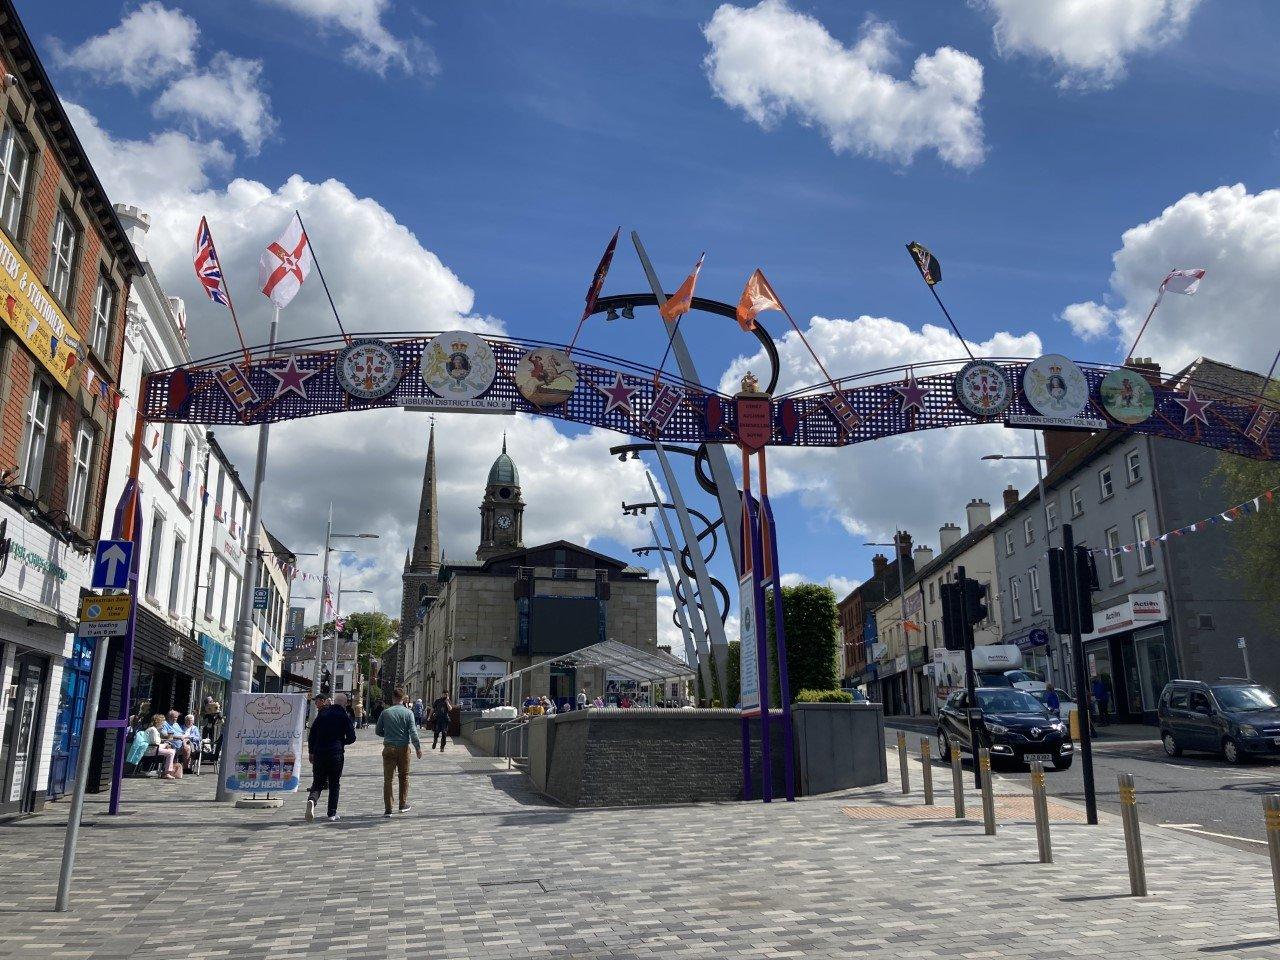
pixel 426 542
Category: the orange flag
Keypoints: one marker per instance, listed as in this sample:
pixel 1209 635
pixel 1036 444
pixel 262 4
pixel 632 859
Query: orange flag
pixel 757 296
pixel 682 300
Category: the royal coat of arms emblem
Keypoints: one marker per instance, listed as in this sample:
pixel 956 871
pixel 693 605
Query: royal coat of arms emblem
pixel 983 389
pixel 458 365
pixel 369 369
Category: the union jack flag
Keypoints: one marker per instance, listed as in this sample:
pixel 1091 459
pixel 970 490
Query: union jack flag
pixel 208 269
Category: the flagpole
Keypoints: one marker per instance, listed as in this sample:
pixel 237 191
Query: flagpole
pixel 933 289
pixel 324 283
pixel 1151 313
pixel 226 285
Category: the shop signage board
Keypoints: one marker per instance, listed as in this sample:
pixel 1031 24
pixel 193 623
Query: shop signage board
pixel 260 595
pixel 477 680
pixel 105 616
pixel 1135 610
pixel 39 567
pixel 749 657
pixel 34 316
pixel 264 735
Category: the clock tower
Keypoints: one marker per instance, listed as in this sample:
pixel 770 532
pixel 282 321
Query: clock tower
pixel 502 512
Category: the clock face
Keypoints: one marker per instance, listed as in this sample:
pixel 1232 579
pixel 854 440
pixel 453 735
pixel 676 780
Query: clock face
pixel 504 522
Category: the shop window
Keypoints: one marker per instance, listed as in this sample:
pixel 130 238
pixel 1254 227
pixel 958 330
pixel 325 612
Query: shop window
pixel 1117 562
pixel 1077 503
pixel 1105 485
pixel 63 248
pixel 15 169
pixel 104 308
pixel 1133 466
pixel 1142 533
pixel 36 437
pixel 81 469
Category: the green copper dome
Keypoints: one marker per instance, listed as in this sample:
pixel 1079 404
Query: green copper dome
pixel 504 469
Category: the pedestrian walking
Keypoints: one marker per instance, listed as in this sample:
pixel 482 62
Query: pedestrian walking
pixel 1100 697
pixel 441 715
pixel 359 709
pixel 327 741
pixel 582 699
pixel 396 728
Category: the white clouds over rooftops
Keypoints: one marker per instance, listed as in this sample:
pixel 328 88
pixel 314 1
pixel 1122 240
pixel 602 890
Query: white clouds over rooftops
pixel 770 60
pixel 225 98
pixel 149 45
pixel 1089 41
pixel 374 46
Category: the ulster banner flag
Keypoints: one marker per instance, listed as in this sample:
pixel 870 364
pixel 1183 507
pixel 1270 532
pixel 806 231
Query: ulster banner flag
pixel 926 263
pixel 285 264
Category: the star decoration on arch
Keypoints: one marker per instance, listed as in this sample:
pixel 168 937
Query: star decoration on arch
pixel 290 379
pixel 912 393
pixel 1193 408
pixel 617 396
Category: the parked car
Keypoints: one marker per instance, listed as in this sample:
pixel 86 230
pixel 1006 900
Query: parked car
pixel 1232 717
pixel 1013 725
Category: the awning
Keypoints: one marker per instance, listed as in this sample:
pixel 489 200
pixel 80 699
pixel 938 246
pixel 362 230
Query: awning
pixel 629 663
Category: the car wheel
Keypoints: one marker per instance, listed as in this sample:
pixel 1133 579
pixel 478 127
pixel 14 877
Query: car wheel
pixel 1171 747
pixel 1232 752
pixel 1063 763
pixel 944 747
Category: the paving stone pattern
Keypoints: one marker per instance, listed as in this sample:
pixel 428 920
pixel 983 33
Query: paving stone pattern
pixel 484 868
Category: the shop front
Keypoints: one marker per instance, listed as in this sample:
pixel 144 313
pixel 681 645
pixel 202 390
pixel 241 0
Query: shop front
pixel 1129 656
pixel 41 579
pixel 1034 645
pixel 167 669
pixel 217 668
pixel 918 661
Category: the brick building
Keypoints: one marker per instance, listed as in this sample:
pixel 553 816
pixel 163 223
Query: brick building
pixel 65 271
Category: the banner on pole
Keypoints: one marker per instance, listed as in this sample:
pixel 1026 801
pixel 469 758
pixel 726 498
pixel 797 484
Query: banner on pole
pixel 264 735
pixel 748 657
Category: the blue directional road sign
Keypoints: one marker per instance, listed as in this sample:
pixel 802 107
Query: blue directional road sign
pixel 111 564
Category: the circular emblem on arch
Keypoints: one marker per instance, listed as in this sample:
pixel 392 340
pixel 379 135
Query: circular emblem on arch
pixel 546 377
pixel 1055 387
pixel 369 369
pixel 1126 396
pixel 983 389
pixel 458 366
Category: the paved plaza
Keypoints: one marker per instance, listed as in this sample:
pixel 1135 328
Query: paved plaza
pixel 483 868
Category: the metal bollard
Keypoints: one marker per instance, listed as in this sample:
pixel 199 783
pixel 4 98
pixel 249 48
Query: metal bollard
pixel 1132 836
pixel 957 778
pixel 988 795
pixel 902 762
pixel 927 770
pixel 1271 808
pixel 1041 805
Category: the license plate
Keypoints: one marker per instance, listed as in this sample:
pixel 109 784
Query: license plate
pixel 1042 757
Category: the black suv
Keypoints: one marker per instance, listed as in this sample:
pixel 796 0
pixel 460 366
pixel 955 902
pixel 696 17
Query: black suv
pixel 1014 725
pixel 1235 718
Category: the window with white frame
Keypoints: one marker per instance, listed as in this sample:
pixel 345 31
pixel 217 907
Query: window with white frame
pixel 188 469
pixel 1051 511
pixel 1015 598
pixel 1113 545
pixel 1105 485
pixel 175 573
pixel 226 596
pixel 931 592
pixel 1133 466
pixel 36 438
pixel 15 167
pixel 1008 543
pixel 62 254
pixel 81 468
pixel 104 308
pixel 1033 584
pixel 1077 502
pixel 166 449
pixel 156 554
pixel 1142 533
pixel 1028 531
pixel 209 586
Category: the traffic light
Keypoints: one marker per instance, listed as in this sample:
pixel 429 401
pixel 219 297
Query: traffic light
pixel 954 632
pixel 1086 585
pixel 975 601
pixel 1080 578
pixel 1060 590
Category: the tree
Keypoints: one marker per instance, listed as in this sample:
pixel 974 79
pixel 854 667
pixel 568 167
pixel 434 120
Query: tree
pixel 1254 557
pixel 811 621
pixel 375 635
pixel 733 673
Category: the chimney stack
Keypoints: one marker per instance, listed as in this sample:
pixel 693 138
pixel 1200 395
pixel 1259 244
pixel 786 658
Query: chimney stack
pixel 1149 369
pixel 978 512
pixel 948 536
pixel 921 557
pixel 879 563
pixel 1010 497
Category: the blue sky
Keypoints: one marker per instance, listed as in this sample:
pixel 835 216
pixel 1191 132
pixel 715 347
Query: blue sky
pixel 511 139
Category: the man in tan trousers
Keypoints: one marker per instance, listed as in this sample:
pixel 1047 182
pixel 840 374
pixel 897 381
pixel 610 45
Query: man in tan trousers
pixel 398 730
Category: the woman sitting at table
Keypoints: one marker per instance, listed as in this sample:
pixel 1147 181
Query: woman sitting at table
pixel 172 771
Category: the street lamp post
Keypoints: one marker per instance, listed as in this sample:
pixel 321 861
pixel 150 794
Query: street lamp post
pixel 329 536
pixel 902 609
pixel 337 613
pixel 1048 528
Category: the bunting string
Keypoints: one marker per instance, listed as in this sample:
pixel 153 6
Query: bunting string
pixel 1240 510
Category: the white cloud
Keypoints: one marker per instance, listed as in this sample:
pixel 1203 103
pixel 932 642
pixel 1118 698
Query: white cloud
pixel 916 481
pixel 1089 41
pixel 841 585
pixel 1089 320
pixel 1235 235
pixel 771 59
pixel 227 97
pixel 375 48
pixel 149 45
pixel 370 463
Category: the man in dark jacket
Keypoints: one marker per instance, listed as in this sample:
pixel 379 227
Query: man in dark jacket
pixel 331 731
